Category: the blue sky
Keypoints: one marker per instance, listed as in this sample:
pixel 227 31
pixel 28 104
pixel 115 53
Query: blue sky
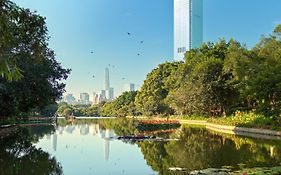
pixel 79 27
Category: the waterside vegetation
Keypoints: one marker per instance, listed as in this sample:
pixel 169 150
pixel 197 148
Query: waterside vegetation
pixel 223 82
pixel 30 76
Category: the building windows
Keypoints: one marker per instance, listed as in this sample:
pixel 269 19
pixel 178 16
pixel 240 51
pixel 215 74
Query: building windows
pixel 182 50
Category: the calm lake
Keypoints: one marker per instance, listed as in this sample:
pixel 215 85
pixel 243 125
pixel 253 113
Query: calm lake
pixel 92 147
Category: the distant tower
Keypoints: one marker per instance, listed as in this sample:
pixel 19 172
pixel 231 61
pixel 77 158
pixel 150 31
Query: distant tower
pixel 95 99
pixel 84 98
pixel 129 87
pixel 188 26
pixel 106 79
pixel 108 92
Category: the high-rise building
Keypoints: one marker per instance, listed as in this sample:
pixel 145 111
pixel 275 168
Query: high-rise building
pixel 102 96
pixel 109 94
pixel 84 98
pixel 129 87
pixel 188 26
pixel 106 79
pixel 95 99
pixel 70 99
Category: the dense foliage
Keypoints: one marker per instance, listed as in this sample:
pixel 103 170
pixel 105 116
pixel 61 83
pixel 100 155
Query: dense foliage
pixel 122 106
pixel 217 79
pixel 156 87
pixel 30 76
pixel 75 110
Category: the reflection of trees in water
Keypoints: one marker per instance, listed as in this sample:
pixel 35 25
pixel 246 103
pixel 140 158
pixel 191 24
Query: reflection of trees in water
pixel 200 149
pixel 19 156
pixel 154 153
pixel 120 126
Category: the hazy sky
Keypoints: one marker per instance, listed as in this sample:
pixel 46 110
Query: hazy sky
pixel 79 27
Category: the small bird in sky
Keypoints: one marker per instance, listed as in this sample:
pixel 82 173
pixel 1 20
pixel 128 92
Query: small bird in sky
pixel 93 76
pixel 141 42
pixel 138 54
pixel 123 78
pixel 92 52
pixel 128 33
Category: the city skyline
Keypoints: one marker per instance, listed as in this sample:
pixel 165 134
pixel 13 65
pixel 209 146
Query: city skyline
pixel 95 36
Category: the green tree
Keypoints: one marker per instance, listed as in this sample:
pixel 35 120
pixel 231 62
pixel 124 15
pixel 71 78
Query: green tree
pixel 10 28
pixel 24 52
pixel 151 98
pixel 203 86
pixel 262 80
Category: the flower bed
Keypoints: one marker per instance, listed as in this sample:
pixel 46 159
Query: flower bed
pixel 159 122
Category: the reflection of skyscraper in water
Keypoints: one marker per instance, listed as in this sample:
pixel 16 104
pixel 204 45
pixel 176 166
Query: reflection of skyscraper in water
pixel 102 133
pixel 55 139
pixel 60 129
pixel 48 136
pixel 95 128
pixel 106 148
pixel 84 129
pixel 70 128
pixel 108 136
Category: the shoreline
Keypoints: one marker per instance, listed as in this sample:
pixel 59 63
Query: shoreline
pixel 228 129
pixel 235 130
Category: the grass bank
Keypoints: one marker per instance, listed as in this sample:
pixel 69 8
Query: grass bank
pixel 240 119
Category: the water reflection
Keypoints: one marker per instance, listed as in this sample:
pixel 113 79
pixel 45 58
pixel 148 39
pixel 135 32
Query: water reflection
pixel 105 134
pixel 91 147
pixel 201 149
pixel 18 156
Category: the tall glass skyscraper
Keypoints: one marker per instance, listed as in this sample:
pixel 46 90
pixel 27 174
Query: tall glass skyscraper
pixel 106 79
pixel 188 26
pixel 109 92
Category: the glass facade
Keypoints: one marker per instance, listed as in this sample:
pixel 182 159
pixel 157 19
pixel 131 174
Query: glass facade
pixel 188 26
pixel 106 79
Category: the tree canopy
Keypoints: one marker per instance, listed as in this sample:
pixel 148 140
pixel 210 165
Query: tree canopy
pixel 217 79
pixel 30 76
